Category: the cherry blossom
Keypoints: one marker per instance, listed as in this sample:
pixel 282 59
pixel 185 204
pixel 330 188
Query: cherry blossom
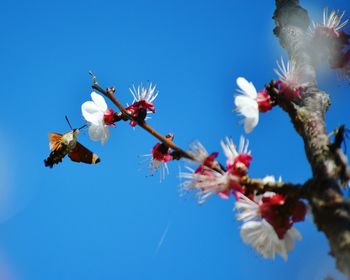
pixel 289 79
pixel 99 117
pixel 202 157
pixel 237 161
pixel 142 103
pixel 250 102
pixel 210 178
pixel 268 221
pixel 208 182
pixel 331 25
pixel 261 235
pixel 159 157
pixel 332 42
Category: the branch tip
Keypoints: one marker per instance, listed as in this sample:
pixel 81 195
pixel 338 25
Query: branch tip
pixel 93 77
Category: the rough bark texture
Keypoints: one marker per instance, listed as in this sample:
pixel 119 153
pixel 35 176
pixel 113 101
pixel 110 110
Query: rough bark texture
pixel 331 211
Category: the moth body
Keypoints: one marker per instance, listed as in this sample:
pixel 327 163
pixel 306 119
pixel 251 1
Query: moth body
pixel 63 144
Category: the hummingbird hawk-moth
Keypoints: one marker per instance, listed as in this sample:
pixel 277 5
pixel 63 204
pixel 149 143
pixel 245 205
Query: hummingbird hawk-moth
pixel 63 144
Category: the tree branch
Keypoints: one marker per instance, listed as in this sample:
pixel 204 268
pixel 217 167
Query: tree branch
pixel 331 211
pixel 110 93
pixel 292 190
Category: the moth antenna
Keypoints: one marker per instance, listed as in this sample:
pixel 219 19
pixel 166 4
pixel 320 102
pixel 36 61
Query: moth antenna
pixel 68 122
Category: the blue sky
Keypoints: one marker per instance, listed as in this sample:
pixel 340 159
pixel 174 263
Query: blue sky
pixel 113 220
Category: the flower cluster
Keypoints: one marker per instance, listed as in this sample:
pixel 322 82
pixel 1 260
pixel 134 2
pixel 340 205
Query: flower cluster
pixel 332 42
pixel 267 218
pixel 99 117
pixel 268 222
pixel 249 103
pixel 210 178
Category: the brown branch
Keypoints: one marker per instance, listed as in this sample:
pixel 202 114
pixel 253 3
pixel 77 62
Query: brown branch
pixel 110 93
pixel 293 190
pixel 331 211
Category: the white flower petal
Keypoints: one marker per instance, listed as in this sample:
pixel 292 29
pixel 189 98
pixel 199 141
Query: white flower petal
pixel 99 101
pixel 105 135
pixel 198 151
pixel 208 184
pixel 142 93
pixel 246 106
pixel 156 165
pixel 229 149
pixel 249 109
pixel 98 133
pixel 290 237
pixel 250 123
pixel 290 73
pixel 247 209
pixel 333 21
pixel 262 237
pixel 91 112
pixel 246 87
pixel 243 145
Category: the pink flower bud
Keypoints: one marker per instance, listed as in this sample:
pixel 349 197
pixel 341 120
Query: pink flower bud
pixel 161 152
pixel 271 211
pixel 264 101
pixel 108 117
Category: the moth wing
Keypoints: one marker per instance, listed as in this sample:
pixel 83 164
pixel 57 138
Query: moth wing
pixel 58 149
pixel 55 141
pixel 82 154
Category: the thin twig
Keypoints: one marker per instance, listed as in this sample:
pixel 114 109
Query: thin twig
pixel 109 93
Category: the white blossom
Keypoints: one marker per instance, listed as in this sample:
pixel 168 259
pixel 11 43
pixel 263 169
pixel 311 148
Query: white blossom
pixel 207 183
pixel 198 151
pixel 246 104
pixel 288 73
pixel 93 112
pixel 260 234
pixel 230 150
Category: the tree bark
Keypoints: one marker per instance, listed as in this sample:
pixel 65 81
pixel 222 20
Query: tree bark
pixel 330 209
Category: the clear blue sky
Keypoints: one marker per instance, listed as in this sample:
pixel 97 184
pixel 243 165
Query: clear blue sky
pixel 106 221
